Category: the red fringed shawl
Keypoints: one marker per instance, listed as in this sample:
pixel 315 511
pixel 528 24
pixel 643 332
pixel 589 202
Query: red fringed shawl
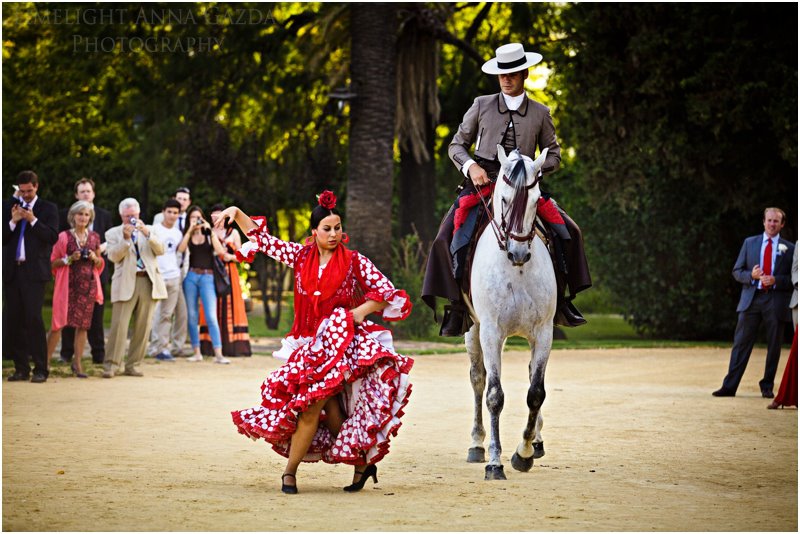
pixel 315 297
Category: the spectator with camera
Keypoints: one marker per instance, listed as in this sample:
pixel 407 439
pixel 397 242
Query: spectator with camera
pixel 170 268
pixel 84 190
pixel 135 286
pixel 77 263
pixel 179 321
pixel 202 244
pixel 29 233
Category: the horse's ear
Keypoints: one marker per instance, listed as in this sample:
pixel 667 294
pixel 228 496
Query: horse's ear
pixel 540 160
pixel 501 155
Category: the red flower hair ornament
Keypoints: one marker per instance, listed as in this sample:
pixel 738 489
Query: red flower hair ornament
pixel 327 199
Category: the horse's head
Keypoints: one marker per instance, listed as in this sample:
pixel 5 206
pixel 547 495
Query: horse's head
pixel 516 194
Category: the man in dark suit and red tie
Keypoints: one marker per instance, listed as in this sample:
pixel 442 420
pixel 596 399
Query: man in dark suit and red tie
pixel 30 230
pixel 764 270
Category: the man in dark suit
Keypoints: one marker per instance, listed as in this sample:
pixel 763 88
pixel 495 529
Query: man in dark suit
pixel 764 270
pixel 29 233
pixel 84 190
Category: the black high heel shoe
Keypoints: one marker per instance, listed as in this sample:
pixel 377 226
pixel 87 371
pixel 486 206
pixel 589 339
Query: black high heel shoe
pixel 286 488
pixel 370 471
pixel 76 373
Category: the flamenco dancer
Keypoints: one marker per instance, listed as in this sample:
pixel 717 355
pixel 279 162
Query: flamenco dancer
pixel 340 395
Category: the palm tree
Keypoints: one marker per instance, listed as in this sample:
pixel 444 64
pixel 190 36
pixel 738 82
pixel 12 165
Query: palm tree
pixel 373 29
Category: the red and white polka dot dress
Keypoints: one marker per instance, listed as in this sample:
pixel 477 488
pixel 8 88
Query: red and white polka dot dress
pixel 357 362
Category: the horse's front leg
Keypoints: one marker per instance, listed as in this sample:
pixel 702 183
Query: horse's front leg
pixel 532 445
pixel 492 346
pixel 477 377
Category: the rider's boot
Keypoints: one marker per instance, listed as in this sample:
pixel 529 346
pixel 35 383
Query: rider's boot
pixel 453 322
pixel 566 312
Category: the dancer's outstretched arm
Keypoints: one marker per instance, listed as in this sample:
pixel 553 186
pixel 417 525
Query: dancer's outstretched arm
pixel 238 216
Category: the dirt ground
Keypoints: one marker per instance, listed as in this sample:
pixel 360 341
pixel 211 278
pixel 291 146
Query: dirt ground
pixel 634 442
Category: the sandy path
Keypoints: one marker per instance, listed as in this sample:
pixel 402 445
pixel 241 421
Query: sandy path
pixel 634 441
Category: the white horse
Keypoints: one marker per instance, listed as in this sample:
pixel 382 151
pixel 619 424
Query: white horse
pixel 513 293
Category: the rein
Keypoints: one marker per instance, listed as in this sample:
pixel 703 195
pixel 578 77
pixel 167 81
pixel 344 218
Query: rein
pixel 495 229
pixel 502 233
pixel 524 238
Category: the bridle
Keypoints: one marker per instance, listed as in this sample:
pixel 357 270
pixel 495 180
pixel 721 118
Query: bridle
pixel 502 233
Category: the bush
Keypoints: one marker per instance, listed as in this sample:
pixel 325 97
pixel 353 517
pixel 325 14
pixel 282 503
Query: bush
pixel 408 268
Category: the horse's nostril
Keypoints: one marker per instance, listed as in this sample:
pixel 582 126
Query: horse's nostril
pixel 528 257
pixel 510 256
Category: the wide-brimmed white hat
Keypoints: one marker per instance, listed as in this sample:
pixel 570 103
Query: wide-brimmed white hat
pixel 511 58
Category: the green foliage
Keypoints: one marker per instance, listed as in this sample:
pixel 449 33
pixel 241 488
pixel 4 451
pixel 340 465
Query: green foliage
pixel 242 119
pixel 408 271
pixel 684 122
pixel 598 300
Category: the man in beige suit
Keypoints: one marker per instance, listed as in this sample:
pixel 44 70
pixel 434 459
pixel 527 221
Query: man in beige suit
pixel 135 286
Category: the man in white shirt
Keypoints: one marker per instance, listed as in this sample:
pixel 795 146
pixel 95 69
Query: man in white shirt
pixel 169 265
pixel 179 330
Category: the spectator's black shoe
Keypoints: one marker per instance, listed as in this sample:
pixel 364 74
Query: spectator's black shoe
pixel 38 378
pixel 722 392
pixel 18 377
pixel 767 394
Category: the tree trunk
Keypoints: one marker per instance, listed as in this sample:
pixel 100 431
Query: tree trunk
pixel 417 117
pixel 373 29
pixel 418 191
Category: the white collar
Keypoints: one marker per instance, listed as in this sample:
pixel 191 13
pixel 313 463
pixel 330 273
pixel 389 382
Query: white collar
pixel 765 237
pixel 514 102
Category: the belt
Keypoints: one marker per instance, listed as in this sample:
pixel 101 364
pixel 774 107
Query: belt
pixel 201 271
pixel 141 273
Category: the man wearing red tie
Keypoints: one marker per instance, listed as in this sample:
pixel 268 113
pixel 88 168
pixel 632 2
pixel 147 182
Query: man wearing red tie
pixel 764 270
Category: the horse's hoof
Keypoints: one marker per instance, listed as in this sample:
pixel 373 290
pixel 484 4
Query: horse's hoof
pixel 495 472
pixel 476 455
pixel 538 449
pixel 521 464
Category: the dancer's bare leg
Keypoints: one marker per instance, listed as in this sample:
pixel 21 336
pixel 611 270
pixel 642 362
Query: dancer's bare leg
pixel 307 424
pixel 333 422
pixel 334 415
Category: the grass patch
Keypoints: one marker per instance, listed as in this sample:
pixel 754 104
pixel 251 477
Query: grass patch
pixel 602 331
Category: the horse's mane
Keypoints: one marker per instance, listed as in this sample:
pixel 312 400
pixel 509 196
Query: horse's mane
pixel 519 203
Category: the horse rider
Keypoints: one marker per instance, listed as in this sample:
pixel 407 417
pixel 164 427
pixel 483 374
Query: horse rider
pixel 514 121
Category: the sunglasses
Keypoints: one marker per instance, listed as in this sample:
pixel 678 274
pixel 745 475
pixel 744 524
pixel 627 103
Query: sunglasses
pixel 183 190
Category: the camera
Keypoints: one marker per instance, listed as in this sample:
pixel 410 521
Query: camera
pixel 198 222
pixel 132 221
pixel 18 202
pixel 84 253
